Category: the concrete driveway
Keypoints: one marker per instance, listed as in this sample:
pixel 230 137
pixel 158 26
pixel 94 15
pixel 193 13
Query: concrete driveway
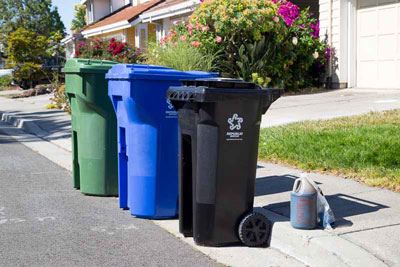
pixel 331 104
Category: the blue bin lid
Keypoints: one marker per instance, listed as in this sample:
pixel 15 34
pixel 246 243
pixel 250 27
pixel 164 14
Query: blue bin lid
pixel 139 71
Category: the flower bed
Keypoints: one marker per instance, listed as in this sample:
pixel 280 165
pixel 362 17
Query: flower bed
pixel 108 50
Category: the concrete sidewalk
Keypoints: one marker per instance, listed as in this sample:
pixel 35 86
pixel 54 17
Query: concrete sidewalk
pixel 367 232
pixel 368 219
pixel 31 115
pixel 55 125
pixel 330 104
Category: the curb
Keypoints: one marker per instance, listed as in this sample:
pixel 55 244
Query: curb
pixel 317 247
pixel 312 248
pixel 31 127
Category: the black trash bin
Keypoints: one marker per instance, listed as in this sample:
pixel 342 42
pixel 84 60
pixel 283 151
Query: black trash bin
pixel 219 123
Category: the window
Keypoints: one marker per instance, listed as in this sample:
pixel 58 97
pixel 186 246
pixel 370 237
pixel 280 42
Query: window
pixel 90 11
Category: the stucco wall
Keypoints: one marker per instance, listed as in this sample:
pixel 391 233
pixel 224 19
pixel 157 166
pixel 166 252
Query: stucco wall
pixel 130 36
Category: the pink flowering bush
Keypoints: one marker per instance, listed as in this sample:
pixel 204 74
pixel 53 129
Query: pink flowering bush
pixel 288 12
pixel 271 42
pixel 108 50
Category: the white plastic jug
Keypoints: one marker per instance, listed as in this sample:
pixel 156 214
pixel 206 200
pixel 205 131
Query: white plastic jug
pixel 303 186
pixel 303 204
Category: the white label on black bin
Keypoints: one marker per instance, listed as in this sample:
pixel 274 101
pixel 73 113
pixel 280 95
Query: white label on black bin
pixel 235 125
pixel 170 113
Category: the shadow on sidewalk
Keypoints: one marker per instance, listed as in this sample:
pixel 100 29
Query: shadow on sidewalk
pixel 344 206
pixel 51 123
pixel 22 136
pixel 274 184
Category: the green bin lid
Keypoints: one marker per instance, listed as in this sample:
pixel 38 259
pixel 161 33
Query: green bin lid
pixel 81 65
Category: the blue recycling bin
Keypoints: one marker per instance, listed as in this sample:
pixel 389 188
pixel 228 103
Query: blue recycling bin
pixel 147 137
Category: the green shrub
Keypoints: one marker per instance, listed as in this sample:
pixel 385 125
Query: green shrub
pixel 28 74
pixel 274 41
pixel 26 51
pixel 6 81
pixel 181 56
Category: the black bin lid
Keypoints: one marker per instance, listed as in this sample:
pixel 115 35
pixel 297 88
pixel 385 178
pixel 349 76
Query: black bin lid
pixel 220 83
pixel 213 89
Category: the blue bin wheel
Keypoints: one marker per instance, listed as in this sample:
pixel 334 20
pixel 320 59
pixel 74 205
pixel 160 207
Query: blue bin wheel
pixel 254 230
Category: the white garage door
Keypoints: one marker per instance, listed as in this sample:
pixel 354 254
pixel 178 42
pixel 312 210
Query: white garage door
pixel 378 43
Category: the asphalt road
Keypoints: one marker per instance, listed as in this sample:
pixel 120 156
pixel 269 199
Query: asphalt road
pixel 45 222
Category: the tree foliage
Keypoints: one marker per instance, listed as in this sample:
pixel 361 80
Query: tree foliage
pixel 37 16
pixel 26 46
pixel 31 31
pixel 79 20
pixel 26 51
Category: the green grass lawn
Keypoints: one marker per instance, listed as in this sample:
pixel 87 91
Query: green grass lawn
pixel 366 147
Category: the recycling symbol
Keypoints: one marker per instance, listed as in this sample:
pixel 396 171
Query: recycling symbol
pixel 170 106
pixel 235 123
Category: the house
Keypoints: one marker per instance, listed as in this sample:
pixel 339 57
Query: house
pixel 136 22
pixel 164 15
pixel 364 34
pixel 366 37
pixel 118 19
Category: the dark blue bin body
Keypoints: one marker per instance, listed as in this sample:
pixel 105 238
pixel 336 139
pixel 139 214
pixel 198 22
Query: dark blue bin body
pixel 147 137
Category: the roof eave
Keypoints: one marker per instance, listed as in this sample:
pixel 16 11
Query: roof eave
pixel 107 28
pixel 170 11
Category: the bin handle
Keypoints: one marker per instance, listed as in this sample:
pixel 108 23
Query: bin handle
pixel 296 186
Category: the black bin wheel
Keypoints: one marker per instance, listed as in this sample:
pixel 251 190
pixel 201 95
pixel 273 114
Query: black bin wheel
pixel 254 230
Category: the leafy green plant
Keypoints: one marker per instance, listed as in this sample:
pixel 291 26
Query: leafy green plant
pixel 5 81
pixel 256 61
pixel 181 56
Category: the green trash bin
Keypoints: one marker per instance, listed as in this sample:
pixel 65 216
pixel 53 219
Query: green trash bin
pixel 94 127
